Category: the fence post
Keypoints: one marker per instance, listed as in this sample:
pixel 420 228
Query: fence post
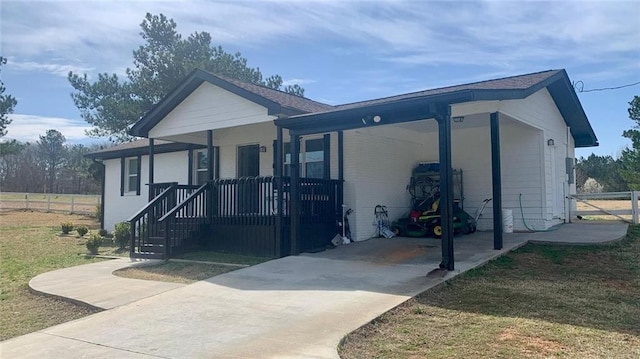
pixel 634 206
pixel 26 200
pixel 48 203
pixel 72 203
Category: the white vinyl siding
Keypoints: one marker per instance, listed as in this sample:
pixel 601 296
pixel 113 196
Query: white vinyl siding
pixel 169 167
pixel 209 107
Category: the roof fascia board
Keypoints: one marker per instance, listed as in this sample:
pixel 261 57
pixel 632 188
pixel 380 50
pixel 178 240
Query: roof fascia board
pixel 128 152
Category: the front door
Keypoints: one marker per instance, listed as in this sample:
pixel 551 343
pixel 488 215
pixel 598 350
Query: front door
pixel 248 166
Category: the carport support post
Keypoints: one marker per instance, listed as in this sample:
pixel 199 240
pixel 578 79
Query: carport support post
pixel 295 193
pixel 151 155
pixel 496 174
pixel 210 154
pixel 277 172
pixel 210 159
pixel 446 187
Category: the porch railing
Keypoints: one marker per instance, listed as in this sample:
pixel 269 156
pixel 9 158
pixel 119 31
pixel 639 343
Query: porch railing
pixel 180 223
pixel 147 237
pixel 239 215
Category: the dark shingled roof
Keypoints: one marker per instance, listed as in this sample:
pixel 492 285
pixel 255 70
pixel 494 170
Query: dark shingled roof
pixel 284 99
pixel 520 82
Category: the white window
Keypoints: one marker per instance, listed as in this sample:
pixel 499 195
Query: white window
pixel 132 179
pixel 311 158
pixel 201 167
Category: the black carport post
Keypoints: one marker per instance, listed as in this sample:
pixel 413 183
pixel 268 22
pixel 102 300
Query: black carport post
pixel 210 158
pixel 295 193
pixel 497 181
pixel 277 173
pixel 446 187
pixel 151 165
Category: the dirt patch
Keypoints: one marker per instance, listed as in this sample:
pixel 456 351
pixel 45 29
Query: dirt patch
pixel 402 254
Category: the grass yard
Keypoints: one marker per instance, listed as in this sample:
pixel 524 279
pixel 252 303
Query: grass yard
pixel 177 272
pixel 540 301
pixel 31 243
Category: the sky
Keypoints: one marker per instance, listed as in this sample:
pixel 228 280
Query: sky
pixel 339 51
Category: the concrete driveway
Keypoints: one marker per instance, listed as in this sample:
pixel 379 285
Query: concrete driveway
pixel 294 307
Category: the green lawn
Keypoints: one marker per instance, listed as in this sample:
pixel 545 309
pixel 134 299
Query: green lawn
pixel 537 302
pixel 30 244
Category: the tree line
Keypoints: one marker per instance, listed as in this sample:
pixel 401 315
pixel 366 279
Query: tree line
pixel 608 174
pixel 49 165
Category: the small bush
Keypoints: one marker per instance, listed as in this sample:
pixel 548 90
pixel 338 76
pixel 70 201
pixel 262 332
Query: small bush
pixel 98 212
pixel 66 227
pixel 103 232
pixel 82 230
pixel 122 234
pixel 93 243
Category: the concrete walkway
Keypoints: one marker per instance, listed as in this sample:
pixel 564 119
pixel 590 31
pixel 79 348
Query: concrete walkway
pixel 95 285
pixel 293 307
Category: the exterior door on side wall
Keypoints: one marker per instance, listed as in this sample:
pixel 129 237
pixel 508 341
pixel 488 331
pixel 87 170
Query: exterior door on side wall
pixel 248 166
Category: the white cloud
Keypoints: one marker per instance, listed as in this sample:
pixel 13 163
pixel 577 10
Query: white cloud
pixel 53 68
pixel 291 82
pixel 29 128
pixel 503 35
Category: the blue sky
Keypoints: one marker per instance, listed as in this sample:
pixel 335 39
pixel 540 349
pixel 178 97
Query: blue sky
pixel 338 51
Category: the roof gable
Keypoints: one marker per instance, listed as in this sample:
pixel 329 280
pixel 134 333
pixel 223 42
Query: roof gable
pixel 277 102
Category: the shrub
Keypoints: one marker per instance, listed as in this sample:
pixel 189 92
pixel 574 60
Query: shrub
pixel 93 243
pixel 82 230
pixel 122 234
pixel 98 212
pixel 66 227
pixel 103 232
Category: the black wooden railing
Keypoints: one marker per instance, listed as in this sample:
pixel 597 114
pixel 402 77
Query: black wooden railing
pixel 147 237
pixel 240 215
pixel 155 189
pixel 180 223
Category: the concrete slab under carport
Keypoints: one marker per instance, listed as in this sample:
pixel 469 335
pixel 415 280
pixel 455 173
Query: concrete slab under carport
pixel 299 306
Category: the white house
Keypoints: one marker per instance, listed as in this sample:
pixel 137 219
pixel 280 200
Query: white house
pixel 513 138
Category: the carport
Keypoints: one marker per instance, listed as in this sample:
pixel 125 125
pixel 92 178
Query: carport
pixel 482 101
pixel 434 107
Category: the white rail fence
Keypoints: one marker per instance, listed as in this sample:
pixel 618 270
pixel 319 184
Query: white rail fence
pixel 598 205
pixel 50 202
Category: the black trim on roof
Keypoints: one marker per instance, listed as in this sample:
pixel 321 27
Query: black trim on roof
pixel 284 103
pixel 419 105
pixel 127 150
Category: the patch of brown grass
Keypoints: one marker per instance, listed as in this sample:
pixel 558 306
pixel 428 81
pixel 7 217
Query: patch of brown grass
pixel 537 302
pixel 177 272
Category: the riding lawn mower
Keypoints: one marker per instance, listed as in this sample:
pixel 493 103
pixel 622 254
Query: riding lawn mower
pixel 425 219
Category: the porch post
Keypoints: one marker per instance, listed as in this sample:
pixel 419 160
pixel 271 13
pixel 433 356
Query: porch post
pixel 190 166
pixel 295 193
pixel 340 170
pixel 210 156
pixel 277 172
pixel 496 174
pixel 446 187
pixel 151 165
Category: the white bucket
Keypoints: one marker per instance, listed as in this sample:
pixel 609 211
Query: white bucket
pixel 507 221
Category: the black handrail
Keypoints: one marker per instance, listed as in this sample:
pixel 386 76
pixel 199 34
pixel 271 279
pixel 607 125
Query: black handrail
pixel 195 212
pixel 141 223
